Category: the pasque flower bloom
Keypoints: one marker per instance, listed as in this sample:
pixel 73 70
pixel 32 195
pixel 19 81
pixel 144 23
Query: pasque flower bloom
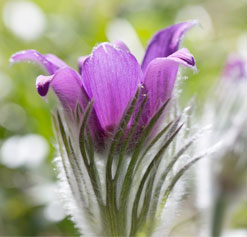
pixel 114 190
pixel 111 76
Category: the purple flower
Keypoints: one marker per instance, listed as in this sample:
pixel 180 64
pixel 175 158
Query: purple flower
pixel 111 75
pixel 235 68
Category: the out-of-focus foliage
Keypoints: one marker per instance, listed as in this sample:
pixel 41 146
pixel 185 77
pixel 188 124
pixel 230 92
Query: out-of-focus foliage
pixel 69 29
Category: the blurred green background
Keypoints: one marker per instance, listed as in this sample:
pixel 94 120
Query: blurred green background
pixel 29 205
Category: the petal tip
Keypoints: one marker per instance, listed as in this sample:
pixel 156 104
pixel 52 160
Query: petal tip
pixel 33 56
pixel 11 61
pixel 166 41
pixel 188 24
pixel 121 45
pixel 194 22
pixel 14 57
pixel 43 84
pixel 185 57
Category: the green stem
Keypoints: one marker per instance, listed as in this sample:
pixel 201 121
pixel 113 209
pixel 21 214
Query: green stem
pixel 113 224
pixel 218 215
pixel 112 210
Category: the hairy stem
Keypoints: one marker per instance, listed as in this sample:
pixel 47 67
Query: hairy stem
pixel 218 215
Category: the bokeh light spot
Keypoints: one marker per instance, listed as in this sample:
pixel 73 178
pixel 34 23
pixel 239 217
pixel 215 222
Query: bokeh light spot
pixel 25 19
pixel 29 150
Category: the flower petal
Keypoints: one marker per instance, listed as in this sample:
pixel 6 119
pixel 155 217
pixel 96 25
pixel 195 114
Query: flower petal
pixel 66 83
pixel 111 77
pixel 49 62
pixel 80 63
pixel 166 42
pixel 56 60
pixel 43 84
pixel 184 57
pixel 121 45
pixel 160 77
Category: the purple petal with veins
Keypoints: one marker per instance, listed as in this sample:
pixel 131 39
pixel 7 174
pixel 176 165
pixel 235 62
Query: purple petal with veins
pixel 166 42
pixel 66 84
pixel 160 77
pixel 56 60
pixel 49 62
pixel 110 77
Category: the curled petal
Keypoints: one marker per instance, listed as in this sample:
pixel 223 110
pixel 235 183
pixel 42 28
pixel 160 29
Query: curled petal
pixel 184 57
pixel 66 84
pixel 43 84
pixel 166 42
pixel 49 62
pixel 111 77
pixel 161 74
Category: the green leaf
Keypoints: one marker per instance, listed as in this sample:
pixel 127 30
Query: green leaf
pixel 63 156
pixel 110 183
pixel 126 186
pixel 89 161
pixel 128 138
pixel 77 173
pixel 152 143
pixel 82 137
pixel 150 171
pixel 161 182
pixel 120 132
pixel 178 175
